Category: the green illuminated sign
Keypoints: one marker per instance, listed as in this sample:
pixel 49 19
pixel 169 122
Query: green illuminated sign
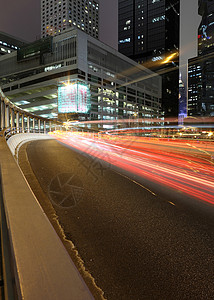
pixel 73 98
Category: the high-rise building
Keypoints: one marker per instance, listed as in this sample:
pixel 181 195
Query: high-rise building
pixel 148 33
pixel 35 79
pixel 58 15
pixel 194 86
pixel 201 68
pixel 9 43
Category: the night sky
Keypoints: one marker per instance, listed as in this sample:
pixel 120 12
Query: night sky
pixel 21 18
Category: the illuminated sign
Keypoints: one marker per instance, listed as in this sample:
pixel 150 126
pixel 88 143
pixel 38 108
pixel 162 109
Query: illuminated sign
pixel 128 40
pixel 50 68
pixel 156 58
pixel 204 29
pixel 73 98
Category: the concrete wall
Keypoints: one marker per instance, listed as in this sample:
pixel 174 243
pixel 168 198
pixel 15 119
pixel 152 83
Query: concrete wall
pixel 43 268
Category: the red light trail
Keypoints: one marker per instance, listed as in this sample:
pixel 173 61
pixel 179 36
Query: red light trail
pixel 186 166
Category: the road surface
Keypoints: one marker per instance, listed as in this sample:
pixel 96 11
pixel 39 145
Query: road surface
pixel 136 243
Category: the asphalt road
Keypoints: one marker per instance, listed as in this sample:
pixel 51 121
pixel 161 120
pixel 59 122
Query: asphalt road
pixel 134 244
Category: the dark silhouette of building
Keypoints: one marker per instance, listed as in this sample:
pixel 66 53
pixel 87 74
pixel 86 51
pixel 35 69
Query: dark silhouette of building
pixel 9 43
pixel 148 33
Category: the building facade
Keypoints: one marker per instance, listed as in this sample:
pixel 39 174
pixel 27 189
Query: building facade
pixel 148 32
pixel 57 16
pixel 194 86
pixel 119 87
pixel 201 68
pixel 9 43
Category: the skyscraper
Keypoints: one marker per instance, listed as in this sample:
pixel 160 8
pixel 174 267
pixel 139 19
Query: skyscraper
pixel 194 86
pixel 58 15
pixel 148 32
pixel 201 68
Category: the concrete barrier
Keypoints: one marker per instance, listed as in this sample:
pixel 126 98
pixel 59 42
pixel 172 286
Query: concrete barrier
pixel 43 268
pixel 17 140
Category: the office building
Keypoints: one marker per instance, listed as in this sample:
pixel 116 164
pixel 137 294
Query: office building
pixel 200 70
pixel 9 43
pixel 57 16
pixel 33 79
pixel 148 32
pixel 194 86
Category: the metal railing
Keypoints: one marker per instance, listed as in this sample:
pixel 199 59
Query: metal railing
pixel 12 131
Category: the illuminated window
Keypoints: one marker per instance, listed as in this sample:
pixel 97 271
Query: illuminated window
pixel 157 19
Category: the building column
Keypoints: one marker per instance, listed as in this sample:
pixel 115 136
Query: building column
pixel 2 115
pixel 23 123
pixel 17 122
pixel 7 116
pixel 39 125
pixel 50 126
pixel 33 125
pixel 44 126
pixel 28 124
pixel 12 118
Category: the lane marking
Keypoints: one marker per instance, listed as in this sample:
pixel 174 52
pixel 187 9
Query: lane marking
pixel 171 203
pixel 148 190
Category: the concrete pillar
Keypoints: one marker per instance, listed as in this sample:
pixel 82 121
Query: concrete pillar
pixel 33 125
pixel 7 116
pixel 50 126
pixel 12 118
pixel 39 125
pixel 23 123
pixel 17 122
pixel 28 124
pixel 44 126
pixel 2 115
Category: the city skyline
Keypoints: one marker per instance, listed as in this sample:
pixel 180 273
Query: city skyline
pixel 28 28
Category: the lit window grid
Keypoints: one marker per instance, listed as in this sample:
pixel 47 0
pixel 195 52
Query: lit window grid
pixel 108 102
pixel 69 14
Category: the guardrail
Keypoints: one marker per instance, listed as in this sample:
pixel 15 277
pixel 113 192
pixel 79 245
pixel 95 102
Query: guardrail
pixel 12 131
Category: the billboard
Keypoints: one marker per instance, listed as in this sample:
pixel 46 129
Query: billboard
pixel 73 98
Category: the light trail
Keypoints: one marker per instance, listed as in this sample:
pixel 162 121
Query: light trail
pixel 184 166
